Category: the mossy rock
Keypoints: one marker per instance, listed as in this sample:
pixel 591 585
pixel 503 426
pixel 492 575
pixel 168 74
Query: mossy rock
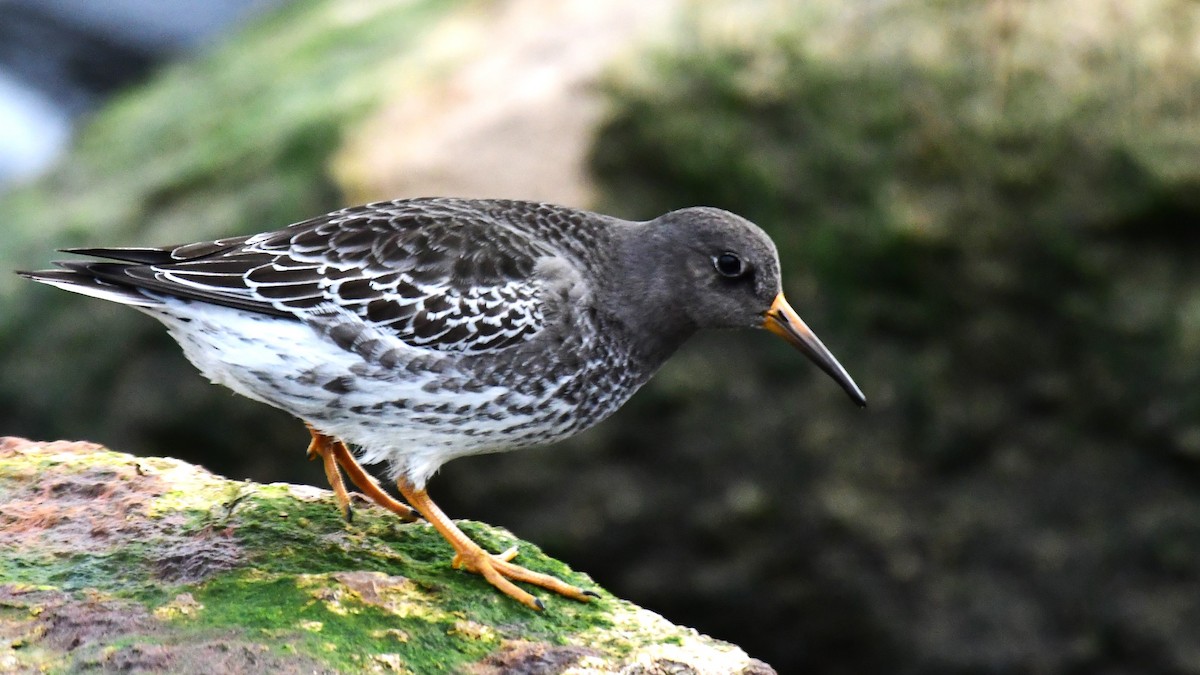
pixel 113 562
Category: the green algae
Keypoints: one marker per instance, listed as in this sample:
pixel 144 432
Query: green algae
pixel 294 537
pixel 277 608
pixel 289 590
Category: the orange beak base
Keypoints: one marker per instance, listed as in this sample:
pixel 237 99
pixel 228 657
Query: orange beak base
pixel 783 321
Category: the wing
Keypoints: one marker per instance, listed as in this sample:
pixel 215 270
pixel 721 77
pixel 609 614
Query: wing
pixel 439 274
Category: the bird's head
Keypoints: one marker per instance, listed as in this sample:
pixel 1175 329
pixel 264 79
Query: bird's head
pixel 731 270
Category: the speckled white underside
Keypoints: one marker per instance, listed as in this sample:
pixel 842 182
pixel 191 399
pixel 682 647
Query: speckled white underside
pixel 283 362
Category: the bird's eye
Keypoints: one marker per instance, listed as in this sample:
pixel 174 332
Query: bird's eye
pixel 729 265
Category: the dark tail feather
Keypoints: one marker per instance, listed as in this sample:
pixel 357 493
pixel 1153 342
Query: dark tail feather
pixel 133 254
pixel 77 278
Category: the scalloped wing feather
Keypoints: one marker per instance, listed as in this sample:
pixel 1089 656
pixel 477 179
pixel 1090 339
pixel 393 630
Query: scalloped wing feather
pixel 433 274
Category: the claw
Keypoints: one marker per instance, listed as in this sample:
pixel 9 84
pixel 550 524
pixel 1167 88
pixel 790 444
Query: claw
pixel 495 568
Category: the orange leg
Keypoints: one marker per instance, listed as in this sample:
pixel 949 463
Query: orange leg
pixel 334 454
pixel 364 482
pixel 495 568
pixel 322 446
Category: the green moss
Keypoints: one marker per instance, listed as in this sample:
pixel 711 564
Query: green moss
pixel 281 590
pixel 290 537
pixel 452 614
pixel 276 608
pixel 32 568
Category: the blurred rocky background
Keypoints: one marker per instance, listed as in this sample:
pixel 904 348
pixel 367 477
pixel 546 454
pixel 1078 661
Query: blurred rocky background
pixel 987 210
pixel 59 59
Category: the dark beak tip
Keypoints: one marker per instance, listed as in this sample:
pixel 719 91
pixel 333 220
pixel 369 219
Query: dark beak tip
pixel 782 321
pixel 855 394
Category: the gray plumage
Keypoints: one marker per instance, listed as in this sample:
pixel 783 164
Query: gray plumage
pixel 427 329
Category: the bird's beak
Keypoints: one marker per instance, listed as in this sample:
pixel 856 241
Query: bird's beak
pixel 783 321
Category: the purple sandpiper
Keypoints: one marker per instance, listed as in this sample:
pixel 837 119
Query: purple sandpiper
pixel 422 330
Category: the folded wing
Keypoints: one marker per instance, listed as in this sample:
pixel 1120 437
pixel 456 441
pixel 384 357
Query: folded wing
pixel 430 272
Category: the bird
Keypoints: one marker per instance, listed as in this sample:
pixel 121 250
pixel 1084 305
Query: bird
pixel 417 331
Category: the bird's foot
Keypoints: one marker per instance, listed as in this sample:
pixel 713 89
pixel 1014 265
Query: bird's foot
pixel 496 568
pixel 501 573
pixel 503 556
